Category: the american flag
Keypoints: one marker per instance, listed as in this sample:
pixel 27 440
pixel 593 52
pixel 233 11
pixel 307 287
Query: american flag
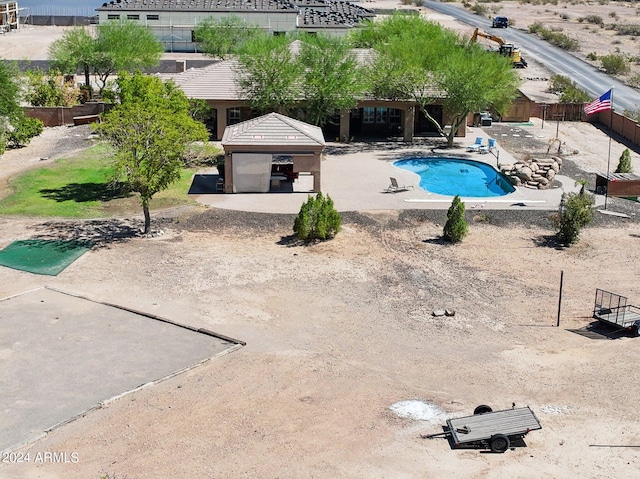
pixel 601 104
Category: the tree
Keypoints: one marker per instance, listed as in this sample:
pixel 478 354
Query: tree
pixel 150 131
pixel 269 74
pixel 422 62
pixel 224 36
pixel 624 165
pixel 456 227
pixel 15 128
pixel 117 46
pixel 575 212
pixel 310 79
pixel 317 219
pixel 331 76
pixel 76 49
pixel 124 46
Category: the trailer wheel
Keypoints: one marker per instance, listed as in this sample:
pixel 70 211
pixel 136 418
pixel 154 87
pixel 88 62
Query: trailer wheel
pixel 499 443
pixel 636 330
pixel 482 409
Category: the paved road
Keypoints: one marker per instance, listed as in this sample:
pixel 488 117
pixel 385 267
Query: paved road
pixel 556 60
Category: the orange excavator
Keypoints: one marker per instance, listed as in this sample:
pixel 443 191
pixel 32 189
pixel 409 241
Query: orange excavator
pixel 505 48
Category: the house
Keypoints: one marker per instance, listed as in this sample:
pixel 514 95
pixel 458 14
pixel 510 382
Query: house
pixel 173 21
pixel 217 85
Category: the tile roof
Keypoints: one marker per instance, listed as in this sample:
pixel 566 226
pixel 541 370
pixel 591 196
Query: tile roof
pixel 273 129
pixel 218 80
pixel 213 82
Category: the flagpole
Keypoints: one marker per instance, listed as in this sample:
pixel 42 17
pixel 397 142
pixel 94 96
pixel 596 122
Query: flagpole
pixel 606 191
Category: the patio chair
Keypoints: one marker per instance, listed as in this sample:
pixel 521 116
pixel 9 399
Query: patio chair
pixel 489 147
pixel 394 187
pixel 476 146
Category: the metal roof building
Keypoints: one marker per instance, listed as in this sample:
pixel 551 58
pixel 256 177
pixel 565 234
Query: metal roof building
pixel 173 21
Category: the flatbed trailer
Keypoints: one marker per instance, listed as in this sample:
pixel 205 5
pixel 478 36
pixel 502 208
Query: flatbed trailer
pixel 491 429
pixel 612 309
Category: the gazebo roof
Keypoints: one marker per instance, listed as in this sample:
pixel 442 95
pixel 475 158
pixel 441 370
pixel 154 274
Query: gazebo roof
pixel 273 129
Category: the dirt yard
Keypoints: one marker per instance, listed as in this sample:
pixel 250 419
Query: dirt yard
pixel 340 332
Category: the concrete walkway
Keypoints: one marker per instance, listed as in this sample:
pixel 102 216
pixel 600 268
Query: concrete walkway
pixel 356 177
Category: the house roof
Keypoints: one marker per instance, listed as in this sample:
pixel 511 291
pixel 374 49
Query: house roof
pixel 213 82
pixel 218 80
pixel 273 129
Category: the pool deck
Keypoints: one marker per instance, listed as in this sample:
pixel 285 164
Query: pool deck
pixel 356 177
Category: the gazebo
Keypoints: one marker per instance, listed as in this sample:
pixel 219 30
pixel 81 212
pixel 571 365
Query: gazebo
pixel 251 148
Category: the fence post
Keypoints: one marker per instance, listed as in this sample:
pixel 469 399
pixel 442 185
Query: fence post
pixel 560 298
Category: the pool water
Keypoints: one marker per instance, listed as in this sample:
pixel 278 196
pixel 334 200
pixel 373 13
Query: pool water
pixel 454 176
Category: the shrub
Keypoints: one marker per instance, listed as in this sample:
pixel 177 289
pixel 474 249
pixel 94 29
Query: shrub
pixel 633 30
pixel 614 64
pixel 576 211
pixel 481 10
pixel 51 89
pixel 633 114
pixel 456 227
pixel 634 81
pixel 624 166
pixel 568 90
pixel 317 219
pixel 24 129
pixel 594 19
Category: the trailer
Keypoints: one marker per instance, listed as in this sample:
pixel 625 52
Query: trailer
pixel 494 430
pixel 612 309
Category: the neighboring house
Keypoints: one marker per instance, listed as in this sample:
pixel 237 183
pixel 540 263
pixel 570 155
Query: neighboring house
pixel 173 21
pixel 216 84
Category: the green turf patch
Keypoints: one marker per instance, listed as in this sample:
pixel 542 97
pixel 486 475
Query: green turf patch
pixel 48 257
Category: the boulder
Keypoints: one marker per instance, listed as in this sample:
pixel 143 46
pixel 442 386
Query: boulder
pixel 524 173
pixel 551 174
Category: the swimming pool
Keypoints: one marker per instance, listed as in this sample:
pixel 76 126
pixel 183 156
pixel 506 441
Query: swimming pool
pixel 454 176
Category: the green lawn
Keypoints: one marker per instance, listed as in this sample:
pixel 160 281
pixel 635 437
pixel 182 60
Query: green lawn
pixel 80 187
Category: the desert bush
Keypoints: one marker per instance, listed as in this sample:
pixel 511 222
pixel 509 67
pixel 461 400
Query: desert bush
pixel 632 30
pixel 634 81
pixel 614 64
pixel 613 14
pixel 536 27
pixel 633 114
pixel 575 212
pixel 456 227
pixel 568 90
pixel 481 10
pixel 317 219
pixel 564 16
pixel 594 19
pixel 555 37
pixel 624 164
pixel 419 3
pixel 24 129
pixel 592 56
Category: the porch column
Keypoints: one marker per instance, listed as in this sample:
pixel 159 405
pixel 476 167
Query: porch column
pixel 228 173
pixel 344 124
pixel 409 120
pixel 221 122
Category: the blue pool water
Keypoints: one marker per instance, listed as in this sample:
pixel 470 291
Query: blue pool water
pixel 452 176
